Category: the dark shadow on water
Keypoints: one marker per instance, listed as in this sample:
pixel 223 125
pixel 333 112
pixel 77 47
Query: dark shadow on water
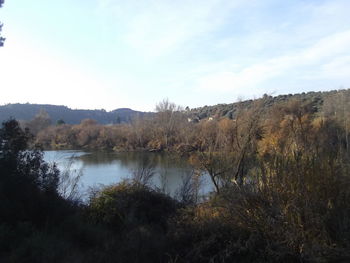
pixel 133 159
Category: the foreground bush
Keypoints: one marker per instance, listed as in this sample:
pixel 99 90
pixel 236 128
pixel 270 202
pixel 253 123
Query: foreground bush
pixel 30 205
pixel 206 234
pixel 138 215
pixel 129 205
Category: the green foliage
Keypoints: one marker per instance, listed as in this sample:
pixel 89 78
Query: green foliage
pixel 129 205
pixel 28 188
pixel 26 180
pixel 60 122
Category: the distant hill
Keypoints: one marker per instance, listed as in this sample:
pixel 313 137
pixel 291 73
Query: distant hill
pixel 28 111
pixel 229 110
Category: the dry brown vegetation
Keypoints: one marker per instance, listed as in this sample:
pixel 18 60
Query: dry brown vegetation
pixel 280 174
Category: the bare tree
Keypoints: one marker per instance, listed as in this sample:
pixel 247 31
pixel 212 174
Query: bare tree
pixel 41 121
pixel 337 107
pixel 144 173
pixel 68 185
pixel 188 191
pixel 246 132
pixel 168 117
pixel 228 147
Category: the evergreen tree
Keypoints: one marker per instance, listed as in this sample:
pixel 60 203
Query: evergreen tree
pixel 28 185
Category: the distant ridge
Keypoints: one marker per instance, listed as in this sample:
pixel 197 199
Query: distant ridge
pixel 230 110
pixel 28 111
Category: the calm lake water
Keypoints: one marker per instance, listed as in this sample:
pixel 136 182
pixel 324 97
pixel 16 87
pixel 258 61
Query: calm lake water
pixel 105 168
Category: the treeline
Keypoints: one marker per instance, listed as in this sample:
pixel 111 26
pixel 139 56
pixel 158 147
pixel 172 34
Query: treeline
pixel 173 129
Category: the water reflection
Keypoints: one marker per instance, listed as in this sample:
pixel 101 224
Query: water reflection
pixel 111 167
pixel 132 159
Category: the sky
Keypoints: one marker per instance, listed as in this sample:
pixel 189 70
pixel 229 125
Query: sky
pixel 108 54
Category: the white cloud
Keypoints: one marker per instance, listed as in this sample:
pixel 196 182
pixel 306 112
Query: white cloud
pixel 327 55
pixel 163 26
pixel 29 74
pixel 339 67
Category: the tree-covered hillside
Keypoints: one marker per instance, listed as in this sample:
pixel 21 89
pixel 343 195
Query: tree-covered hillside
pixel 230 110
pixel 28 112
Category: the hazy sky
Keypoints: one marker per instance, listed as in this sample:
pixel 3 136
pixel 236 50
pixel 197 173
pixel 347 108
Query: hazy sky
pixel 109 54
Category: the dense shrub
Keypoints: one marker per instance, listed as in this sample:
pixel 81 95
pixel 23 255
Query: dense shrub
pixel 28 185
pixel 139 218
pixel 129 205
